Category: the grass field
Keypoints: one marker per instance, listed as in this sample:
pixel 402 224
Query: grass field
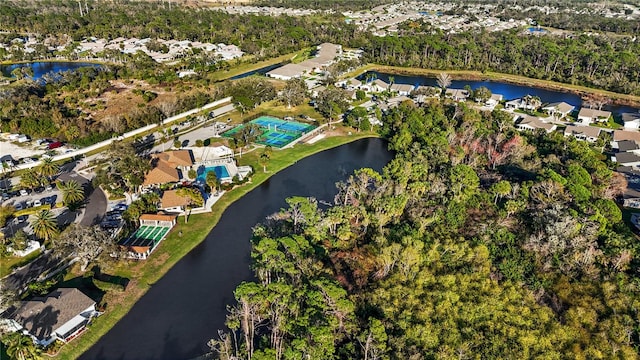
pixel 143 274
pixel 11 262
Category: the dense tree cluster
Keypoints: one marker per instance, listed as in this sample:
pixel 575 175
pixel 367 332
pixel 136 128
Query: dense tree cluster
pixel 596 61
pixel 263 36
pixel 474 242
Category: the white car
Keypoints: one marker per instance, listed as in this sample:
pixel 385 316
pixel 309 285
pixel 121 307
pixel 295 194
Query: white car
pixel 49 187
pixel 23 192
pixel 37 203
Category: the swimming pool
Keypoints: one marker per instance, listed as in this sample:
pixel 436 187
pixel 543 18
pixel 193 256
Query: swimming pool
pixel 220 170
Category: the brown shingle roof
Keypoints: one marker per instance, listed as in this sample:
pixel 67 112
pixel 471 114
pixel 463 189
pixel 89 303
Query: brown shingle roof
pixel 619 135
pixel 161 174
pixel 175 158
pixel 41 316
pixel 158 217
pixel 170 199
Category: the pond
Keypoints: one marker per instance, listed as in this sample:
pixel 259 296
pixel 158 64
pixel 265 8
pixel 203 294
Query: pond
pixel 41 68
pixel 184 309
pixel 508 91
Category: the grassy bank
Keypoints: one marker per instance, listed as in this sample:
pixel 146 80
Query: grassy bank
pixel 246 67
pixel 143 274
pixel 623 99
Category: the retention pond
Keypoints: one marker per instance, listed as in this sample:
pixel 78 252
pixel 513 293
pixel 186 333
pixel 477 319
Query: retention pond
pixel 184 309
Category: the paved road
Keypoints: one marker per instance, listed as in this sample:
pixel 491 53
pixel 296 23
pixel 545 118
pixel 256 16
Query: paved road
pixel 96 201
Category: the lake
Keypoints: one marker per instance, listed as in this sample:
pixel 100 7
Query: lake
pixel 184 309
pixel 44 67
pixel 509 91
pixel 261 71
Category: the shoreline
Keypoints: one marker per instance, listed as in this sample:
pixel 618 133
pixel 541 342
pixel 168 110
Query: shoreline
pixel 174 247
pixel 473 75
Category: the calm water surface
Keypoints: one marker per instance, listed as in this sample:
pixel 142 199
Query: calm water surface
pixel 509 91
pixel 44 67
pixel 184 309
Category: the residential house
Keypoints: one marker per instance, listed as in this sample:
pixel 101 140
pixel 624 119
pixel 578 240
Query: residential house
pixel 532 123
pixel 349 84
pixel 627 159
pixel 402 89
pixel 619 135
pixel 625 146
pixel 376 86
pixel 172 202
pixel 61 315
pixel 586 133
pixel 559 109
pixel 631 120
pixel 168 167
pixel 516 104
pixel 289 71
pixel 494 100
pixel 588 116
pixel 457 94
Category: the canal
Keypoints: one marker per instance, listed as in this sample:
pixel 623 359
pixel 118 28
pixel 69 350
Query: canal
pixel 508 91
pixel 184 309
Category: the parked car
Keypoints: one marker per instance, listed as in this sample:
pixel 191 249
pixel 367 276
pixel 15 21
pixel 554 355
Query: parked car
pixel 48 187
pixel 22 218
pixel 37 203
pixel 18 206
pixel 5 196
pixel 24 192
pixel 120 207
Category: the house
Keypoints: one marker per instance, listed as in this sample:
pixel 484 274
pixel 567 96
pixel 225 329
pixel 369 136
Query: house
pixel 626 159
pixel 402 89
pixel 168 167
pixel 175 158
pixel 288 71
pixel 631 120
pixel 172 202
pixel 61 315
pixel 559 109
pixel 619 135
pixel 587 133
pixel 376 85
pixel 351 83
pixel 587 116
pixel 162 173
pixel 457 94
pixel 494 100
pixel 532 123
pixel 625 146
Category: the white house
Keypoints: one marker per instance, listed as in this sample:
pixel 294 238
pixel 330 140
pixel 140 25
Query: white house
pixel 402 89
pixel 532 123
pixel 376 85
pixel 457 94
pixel 627 159
pixel 560 109
pixel 61 315
pixel 289 71
pixel 586 133
pixel 587 116
pixel 494 100
pixel 631 120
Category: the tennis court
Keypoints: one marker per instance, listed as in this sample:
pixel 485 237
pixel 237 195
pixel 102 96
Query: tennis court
pixel 276 132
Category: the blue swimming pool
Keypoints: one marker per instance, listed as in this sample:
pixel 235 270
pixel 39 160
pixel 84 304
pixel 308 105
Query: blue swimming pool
pixel 220 170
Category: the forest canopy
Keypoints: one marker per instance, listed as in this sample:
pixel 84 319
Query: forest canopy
pixel 474 242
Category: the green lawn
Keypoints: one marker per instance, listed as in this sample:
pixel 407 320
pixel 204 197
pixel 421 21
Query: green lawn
pixel 143 274
pixel 242 68
pixel 11 262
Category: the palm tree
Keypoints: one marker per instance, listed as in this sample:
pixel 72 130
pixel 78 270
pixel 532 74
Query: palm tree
pixel 265 157
pixel 72 191
pixel 21 347
pixel 30 179
pixel 443 80
pixel 48 168
pixel 44 225
pixel 212 180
